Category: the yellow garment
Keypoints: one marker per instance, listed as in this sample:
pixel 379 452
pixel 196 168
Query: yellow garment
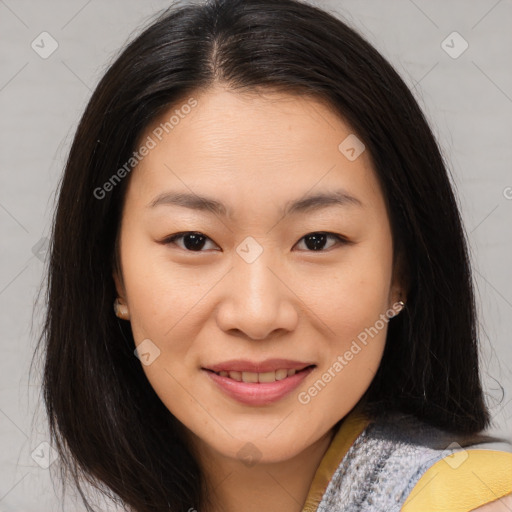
pixel 458 483
pixel 482 476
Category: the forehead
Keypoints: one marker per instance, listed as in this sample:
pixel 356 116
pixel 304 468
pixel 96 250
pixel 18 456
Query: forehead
pixel 266 146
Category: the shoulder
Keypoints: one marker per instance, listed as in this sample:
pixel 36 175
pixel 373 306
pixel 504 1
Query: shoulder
pixel 454 473
pixel 463 480
pixel 400 463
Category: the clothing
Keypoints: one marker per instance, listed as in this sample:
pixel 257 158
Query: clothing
pixel 399 463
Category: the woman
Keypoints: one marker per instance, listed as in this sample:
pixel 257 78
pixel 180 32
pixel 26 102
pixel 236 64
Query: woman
pixel 257 193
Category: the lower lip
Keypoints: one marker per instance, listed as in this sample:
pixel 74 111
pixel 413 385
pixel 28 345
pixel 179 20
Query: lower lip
pixel 254 393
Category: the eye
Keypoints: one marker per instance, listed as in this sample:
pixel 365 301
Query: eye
pixel 192 240
pixel 316 241
pixel 195 241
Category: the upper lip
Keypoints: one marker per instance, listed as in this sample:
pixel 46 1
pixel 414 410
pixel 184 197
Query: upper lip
pixel 269 365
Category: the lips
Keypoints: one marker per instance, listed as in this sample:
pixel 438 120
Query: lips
pixel 264 372
pixel 258 388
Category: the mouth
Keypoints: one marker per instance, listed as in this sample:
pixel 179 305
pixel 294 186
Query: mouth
pixel 261 377
pixel 258 384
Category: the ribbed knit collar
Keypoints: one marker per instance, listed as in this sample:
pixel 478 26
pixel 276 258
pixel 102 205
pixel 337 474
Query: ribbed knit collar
pixel 349 430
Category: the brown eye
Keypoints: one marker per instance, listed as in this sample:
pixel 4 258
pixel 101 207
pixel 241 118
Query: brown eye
pixel 317 241
pixel 192 240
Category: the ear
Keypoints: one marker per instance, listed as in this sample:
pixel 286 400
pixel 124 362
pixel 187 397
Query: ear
pixel 400 280
pixel 117 274
pixel 120 307
pixel 118 280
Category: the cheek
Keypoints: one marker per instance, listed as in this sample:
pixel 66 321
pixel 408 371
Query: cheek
pixel 355 314
pixel 357 293
pixel 354 307
pixel 160 294
pixel 163 299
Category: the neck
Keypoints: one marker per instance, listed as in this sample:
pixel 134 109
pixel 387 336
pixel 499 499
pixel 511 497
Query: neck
pixel 283 486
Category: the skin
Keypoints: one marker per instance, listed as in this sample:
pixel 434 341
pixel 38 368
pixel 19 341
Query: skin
pixel 255 152
pixel 500 505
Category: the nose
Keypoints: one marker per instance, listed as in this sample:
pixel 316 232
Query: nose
pixel 257 301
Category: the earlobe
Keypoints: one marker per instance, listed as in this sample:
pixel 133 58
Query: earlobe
pixel 400 284
pixel 398 306
pixel 397 300
pixel 121 309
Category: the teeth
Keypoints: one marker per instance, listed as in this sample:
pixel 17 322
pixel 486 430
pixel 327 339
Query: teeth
pixel 258 377
pixel 235 376
pixel 267 377
pixel 249 377
pixel 281 374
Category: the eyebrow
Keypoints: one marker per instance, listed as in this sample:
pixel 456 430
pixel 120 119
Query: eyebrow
pixel 307 204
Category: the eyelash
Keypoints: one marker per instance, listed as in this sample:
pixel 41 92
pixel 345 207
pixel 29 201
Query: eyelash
pixel 171 239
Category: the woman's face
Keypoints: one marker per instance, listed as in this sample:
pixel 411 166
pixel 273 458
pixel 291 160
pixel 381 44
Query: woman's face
pixel 243 290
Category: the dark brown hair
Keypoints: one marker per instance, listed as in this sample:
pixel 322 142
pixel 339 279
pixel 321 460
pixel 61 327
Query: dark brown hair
pixel 108 424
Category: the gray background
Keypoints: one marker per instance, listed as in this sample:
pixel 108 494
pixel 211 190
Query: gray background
pixel 467 99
